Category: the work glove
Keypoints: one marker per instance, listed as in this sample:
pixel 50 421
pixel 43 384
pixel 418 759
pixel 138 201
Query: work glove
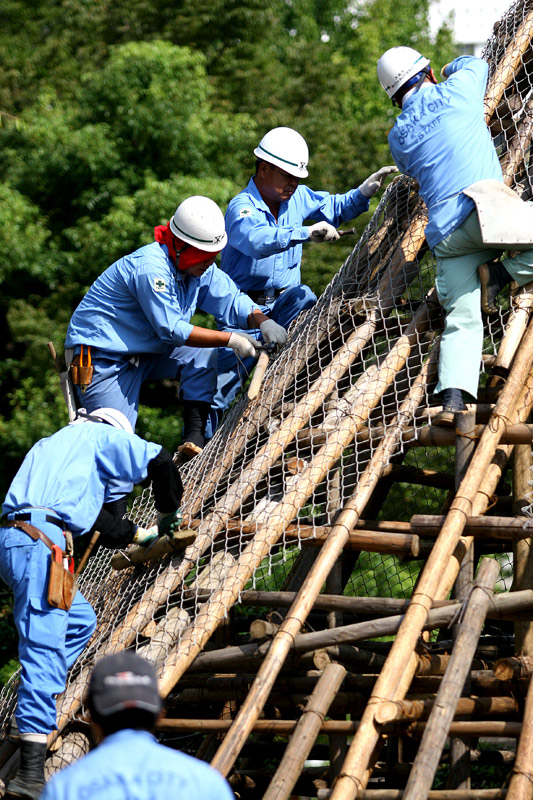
pixel 145 536
pixel 443 72
pixel 168 524
pixel 244 345
pixel 374 181
pixel 273 333
pixel 322 232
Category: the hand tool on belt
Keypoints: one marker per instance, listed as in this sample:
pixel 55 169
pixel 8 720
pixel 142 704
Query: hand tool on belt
pixel 61 584
pixel 263 296
pixel 266 351
pixel 82 373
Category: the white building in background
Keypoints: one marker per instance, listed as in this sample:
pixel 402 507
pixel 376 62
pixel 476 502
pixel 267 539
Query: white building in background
pixel 472 20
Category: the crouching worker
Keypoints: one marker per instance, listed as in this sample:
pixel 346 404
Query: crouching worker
pixel 134 323
pixel 124 704
pixel 66 485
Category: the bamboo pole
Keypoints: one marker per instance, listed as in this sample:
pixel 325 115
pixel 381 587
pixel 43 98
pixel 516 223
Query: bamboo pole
pixel 459 773
pixel 522 550
pixel 327 557
pixel 516 668
pixel 431 583
pixel 427 526
pixel 305 733
pixel 409 710
pixel 521 783
pixel 441 716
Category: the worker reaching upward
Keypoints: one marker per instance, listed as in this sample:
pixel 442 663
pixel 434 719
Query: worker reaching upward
pixel 134 322
pixel 266 226
pixel 440 138
pixel 67 485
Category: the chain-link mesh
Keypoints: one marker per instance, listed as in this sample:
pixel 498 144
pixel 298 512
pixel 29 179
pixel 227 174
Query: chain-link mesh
pixel 280 468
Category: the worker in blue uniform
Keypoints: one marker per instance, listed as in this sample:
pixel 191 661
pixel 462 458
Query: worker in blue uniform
pixel 66 487
pixel 134 324
pixel 441 139
pixel 266 229
pixel 124 704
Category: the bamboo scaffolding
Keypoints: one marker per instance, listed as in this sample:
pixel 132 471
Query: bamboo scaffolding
pixel 409 710
pixel 441 716
pixel 430 585
pixel 366 393
pixel 230 657
pixel 507 66
pixel 327 557
pixel 305 733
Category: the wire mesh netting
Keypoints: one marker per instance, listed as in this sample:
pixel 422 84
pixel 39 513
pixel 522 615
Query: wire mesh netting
pixel 342 404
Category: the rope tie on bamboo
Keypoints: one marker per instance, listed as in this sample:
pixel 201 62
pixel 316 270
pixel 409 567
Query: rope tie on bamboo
pixel 473 437
pixel 528 775
pixel 320 714
pixel 460 613
pixel 358 784
pixel 497 418
pixel 415 602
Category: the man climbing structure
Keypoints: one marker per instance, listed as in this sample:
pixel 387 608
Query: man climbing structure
pixel 66 487
pixel 133 325
pixel 266 231
pixel 441 139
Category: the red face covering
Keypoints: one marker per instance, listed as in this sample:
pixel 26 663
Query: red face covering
pixel 189 256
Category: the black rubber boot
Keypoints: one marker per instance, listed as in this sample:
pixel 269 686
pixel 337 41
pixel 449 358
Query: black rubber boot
pixel 452 402
pixel 493 277
pixel 29 780
pixel 195 416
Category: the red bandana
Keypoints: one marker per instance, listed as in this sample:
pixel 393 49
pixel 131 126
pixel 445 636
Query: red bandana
pixel 189 256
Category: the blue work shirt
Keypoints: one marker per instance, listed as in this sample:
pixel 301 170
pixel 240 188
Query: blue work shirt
pixel 76 470
pixel 131 765
pixel 143 304
pixel 265 253
pixel 441 139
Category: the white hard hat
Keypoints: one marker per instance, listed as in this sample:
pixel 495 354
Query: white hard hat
pixel 110 415
pixel 200 222
pixel 397 65
pixel 287 149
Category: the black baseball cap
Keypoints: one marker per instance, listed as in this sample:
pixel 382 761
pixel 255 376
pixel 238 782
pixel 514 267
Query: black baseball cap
pixel 121 681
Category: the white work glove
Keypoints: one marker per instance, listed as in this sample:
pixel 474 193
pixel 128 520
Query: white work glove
pixel 323 232
pixel 244 345
pixel 273 333
pixel 443 72
pixel 374 181
pixel 145 536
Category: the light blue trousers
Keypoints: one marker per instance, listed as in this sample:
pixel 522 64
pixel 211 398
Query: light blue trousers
pixel 50 639
pixel 232 373
pixel 458 288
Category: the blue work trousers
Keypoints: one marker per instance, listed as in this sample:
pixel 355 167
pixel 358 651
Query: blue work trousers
pixel 117 380
pixel 50 639
pixel 233 372
pixel 458 288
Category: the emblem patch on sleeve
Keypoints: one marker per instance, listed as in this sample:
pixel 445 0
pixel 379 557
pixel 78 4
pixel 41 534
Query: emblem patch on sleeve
pixel 245 212
pixel 160 285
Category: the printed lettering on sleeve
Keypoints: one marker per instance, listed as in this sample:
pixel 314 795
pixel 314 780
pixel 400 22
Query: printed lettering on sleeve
pixel 245 212
pixel 160 285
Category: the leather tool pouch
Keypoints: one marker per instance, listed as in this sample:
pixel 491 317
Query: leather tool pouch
pixel 82 373
pixel 61 584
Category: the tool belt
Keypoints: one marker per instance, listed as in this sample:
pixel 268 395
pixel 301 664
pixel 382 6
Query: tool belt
pixel 264 296
pixel 61 583
pixel 82 373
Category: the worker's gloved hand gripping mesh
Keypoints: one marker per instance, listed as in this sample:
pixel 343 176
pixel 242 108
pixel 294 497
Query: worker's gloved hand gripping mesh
pixel 280 468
